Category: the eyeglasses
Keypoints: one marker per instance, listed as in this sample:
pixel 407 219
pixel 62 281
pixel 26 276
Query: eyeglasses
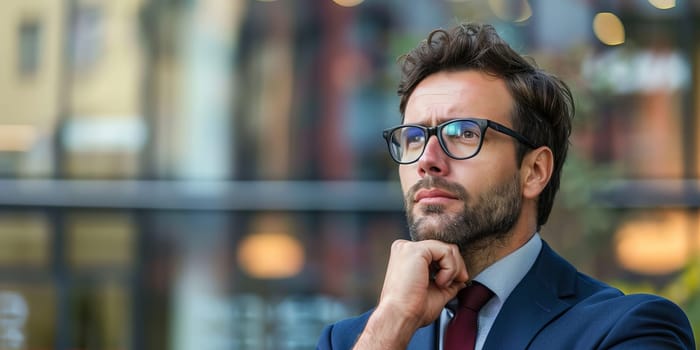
pixel 459 138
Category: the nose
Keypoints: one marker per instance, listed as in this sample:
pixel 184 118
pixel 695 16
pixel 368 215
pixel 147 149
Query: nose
pixel 433 161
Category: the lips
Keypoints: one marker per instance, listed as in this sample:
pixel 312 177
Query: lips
pixel 433 193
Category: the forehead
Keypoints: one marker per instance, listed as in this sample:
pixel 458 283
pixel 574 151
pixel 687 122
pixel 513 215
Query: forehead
pixel 448 95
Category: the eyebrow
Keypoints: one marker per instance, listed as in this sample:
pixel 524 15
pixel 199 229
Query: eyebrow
pixel 441 120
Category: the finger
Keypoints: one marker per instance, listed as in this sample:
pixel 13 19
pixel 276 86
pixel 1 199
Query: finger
pixel 448 265
pixel 455 287
pixel 462 275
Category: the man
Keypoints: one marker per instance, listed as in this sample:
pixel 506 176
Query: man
pixel 481 147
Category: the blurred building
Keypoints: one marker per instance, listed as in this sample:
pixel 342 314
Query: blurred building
pixel 210 174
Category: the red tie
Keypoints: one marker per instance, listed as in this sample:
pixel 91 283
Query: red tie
pixel 461 332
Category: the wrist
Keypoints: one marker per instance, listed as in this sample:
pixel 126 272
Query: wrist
pixel 386 329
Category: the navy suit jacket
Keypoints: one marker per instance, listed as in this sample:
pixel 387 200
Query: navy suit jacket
pixel 557 307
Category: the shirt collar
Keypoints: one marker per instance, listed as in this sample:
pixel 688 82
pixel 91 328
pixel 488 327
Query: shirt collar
pixel 505 274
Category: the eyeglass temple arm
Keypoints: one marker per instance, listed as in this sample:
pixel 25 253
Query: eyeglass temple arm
pixel 509 132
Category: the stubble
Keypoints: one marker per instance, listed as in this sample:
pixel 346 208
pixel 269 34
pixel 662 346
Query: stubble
pixel 483 221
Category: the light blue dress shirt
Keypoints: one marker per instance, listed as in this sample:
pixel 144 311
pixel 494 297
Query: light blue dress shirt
pixel 501 278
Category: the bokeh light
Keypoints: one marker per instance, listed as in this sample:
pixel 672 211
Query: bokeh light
pixel 663 4
pixel 654 244
pixel 348 3
pixel 271 255
pixel 608 28
pixel 511 10
pixel 17 137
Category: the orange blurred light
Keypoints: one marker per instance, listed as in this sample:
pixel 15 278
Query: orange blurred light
pixel 658 245
pixel 609 29
pixel 271 255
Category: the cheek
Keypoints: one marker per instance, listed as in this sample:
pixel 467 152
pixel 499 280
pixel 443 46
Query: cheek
pixel 477 176
pixel 487 175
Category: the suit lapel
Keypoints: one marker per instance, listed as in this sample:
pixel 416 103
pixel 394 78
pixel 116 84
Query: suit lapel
pixel 534 302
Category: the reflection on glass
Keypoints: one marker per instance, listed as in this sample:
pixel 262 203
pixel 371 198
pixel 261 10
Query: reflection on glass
pixel 24 240
pixel 13 316
pixel 29 47
pixel 100 314
pixel 100 240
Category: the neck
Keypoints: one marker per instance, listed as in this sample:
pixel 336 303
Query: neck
pixel 485 252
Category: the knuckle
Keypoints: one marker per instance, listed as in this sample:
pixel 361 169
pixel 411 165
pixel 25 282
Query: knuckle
pixel 398 244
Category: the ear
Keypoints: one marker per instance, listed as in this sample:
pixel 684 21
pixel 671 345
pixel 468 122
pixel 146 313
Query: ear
pixel 535 171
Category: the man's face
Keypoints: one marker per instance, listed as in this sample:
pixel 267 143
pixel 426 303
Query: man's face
pixel 462 201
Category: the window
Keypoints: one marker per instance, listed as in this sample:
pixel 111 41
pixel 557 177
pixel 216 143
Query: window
pixel 29 47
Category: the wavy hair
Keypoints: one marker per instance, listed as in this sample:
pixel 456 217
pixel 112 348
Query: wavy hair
pixel 543 104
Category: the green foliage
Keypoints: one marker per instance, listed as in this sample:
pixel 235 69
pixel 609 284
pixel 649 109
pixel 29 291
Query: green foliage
pixel 581 179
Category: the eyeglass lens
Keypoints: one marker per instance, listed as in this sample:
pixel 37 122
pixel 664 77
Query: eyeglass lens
pixel 460 138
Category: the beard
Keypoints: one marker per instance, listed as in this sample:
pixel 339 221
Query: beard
pixel 489 218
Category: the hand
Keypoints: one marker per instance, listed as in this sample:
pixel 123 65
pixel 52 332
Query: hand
pixel 408 286
pixel 410 298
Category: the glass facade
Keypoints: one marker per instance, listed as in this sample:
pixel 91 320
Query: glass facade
pixel 210 174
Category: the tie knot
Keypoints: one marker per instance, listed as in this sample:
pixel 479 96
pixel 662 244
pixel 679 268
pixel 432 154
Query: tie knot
pixel 474 296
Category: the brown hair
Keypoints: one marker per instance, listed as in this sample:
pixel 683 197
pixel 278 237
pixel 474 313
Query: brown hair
pixel 543 106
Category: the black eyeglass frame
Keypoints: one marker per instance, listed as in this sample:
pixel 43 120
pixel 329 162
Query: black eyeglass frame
pixel 483 124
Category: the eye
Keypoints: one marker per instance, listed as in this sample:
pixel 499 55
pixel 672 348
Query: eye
pixel 413 137
pixel 462 131
pixel 467 134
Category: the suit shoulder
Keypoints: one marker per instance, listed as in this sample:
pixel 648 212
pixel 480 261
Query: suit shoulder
pixel 611 319
pixel 598 292
pixel 651 304
pixel 631 321
pixel 646 319
pixel 588 285
pixel 603 296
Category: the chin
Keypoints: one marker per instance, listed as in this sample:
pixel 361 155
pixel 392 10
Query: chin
pixel 429 227
pixel 431 221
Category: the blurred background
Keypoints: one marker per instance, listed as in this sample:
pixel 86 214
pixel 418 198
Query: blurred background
pixel 210 174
